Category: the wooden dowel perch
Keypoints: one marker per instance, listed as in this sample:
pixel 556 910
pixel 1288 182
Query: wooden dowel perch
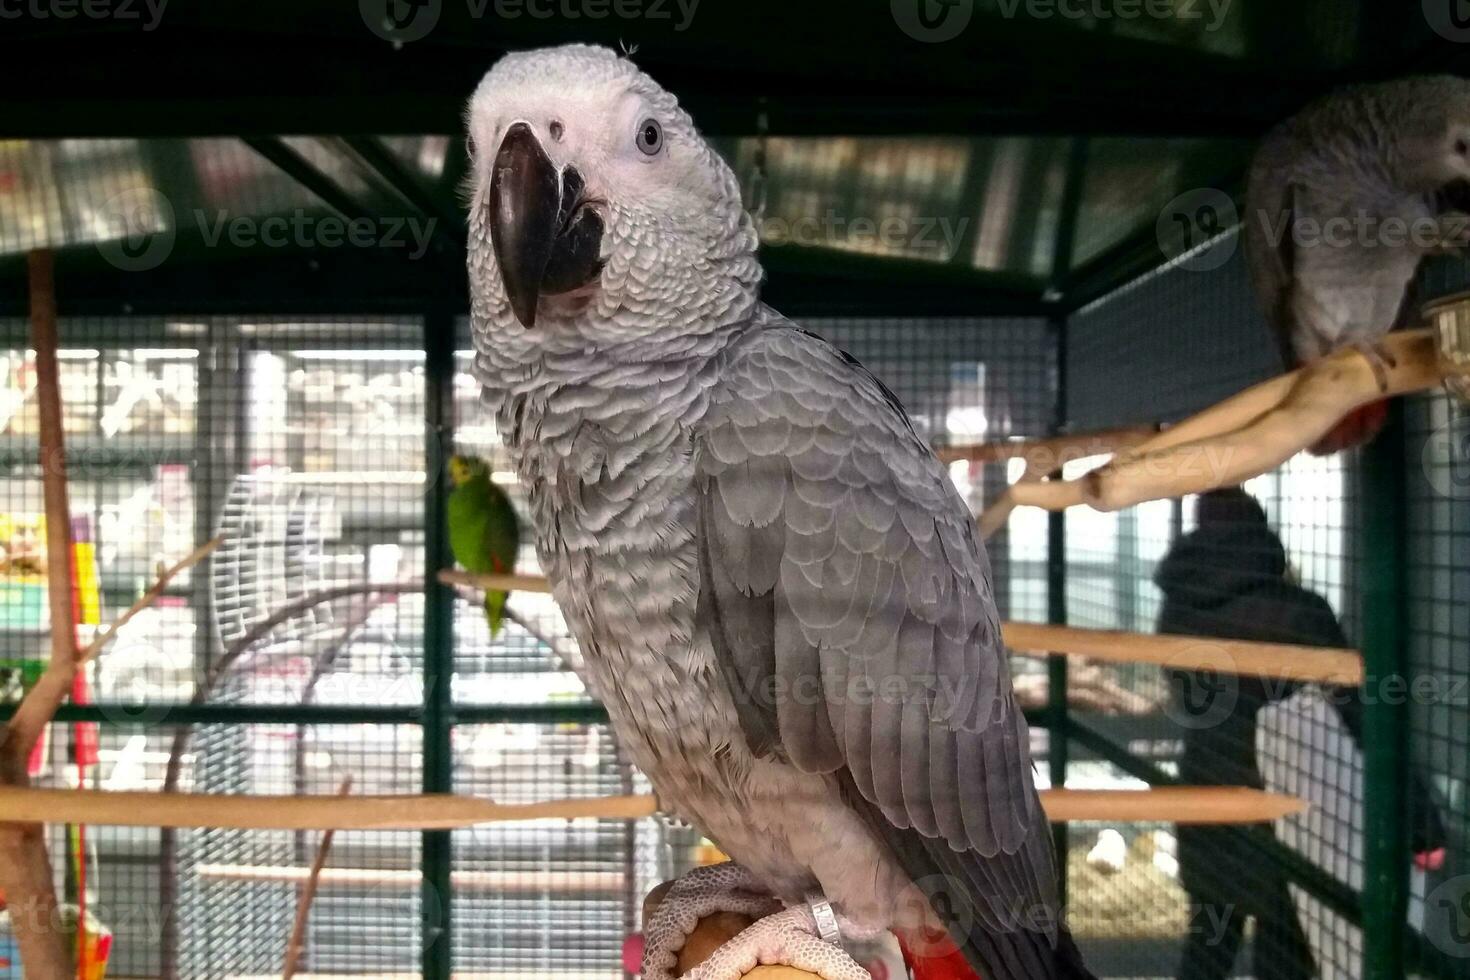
pixel 1320 665
pixel 395 879
pixel 500 583
pixel 1045 456
pixel 445 812
pixel 1242 437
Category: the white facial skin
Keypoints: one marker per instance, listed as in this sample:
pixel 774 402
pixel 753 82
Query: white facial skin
pixel 1455 152
pixel 675 230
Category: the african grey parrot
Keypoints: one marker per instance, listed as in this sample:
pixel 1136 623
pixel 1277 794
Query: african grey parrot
pixel 779 595
pixel 1344 201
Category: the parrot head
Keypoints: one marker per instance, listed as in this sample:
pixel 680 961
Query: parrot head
pixel 1432 115
pixel 463 469
pixel 594 201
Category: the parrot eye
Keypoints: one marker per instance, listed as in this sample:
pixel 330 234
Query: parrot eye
pixel 1462 146
pixel 650 137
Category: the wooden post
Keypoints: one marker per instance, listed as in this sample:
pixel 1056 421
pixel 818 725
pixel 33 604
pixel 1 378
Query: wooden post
pixel 25 865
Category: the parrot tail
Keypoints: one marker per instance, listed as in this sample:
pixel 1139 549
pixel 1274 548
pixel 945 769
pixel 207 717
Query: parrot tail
pixel 495 610
pixel 1356 428
pixel 929 965
pixel 938 958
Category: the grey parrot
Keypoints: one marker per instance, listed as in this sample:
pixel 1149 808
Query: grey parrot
pixel 1344 201
pixel 779 595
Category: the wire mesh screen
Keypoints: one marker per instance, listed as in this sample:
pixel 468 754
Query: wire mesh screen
pixel 293 661
pixel 1281 560
pixel 579 887
pixel 1437 457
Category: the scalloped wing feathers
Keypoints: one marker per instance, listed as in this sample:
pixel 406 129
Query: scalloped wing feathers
pixel 851 608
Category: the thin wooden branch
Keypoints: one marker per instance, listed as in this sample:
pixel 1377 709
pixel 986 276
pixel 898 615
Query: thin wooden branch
pixel 1202 804
pixel 1326 665
pixel 25 865
pixel 499 583
pixel 563 649
pixel 150 597
pixel 1051 454
pixel 1242 437
pixel 1321 665
pixel 297 940
pixel 168 845
pixel 245 812
pixel 1213 805
pixel 396 879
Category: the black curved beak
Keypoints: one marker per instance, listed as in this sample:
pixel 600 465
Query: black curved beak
pixel 547 239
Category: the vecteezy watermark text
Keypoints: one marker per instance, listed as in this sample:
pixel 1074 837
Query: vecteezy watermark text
pixel 401 21
pixel 147 228
pixel 1099 10
pixel 894 233
pixel 935 21
pixel 148 12
pixel 315 231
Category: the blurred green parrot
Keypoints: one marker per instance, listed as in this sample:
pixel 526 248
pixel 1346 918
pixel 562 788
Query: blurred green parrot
pixel 484 533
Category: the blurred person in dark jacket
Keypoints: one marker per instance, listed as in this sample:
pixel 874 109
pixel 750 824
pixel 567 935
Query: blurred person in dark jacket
pixel 1229 578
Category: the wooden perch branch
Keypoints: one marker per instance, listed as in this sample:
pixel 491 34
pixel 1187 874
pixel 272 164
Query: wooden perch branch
pixel 406 880
pixel 1045 456
pixel 297 940
pixel 1242 437
pixel 1321 665
pixel 150 597
pixel 25 865
pixel 498 583
pixel 1205 804
pixel 1324 665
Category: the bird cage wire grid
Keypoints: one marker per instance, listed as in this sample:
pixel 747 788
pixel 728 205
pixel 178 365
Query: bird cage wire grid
pixel 299 655
pixel 1168 345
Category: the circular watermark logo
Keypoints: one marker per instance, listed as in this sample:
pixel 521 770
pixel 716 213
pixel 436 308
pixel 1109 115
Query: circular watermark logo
pixel 933 21
pixel 1447 917
pixel 1450 19
pixel 400 21
pixel 1190 221
pixel 145 219
pixel 1205 687
pixel 942 896
pixel 1446 458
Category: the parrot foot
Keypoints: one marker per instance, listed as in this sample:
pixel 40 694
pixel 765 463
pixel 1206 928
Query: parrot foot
pixel 804 937
pixel 1380 359
pixel 704 891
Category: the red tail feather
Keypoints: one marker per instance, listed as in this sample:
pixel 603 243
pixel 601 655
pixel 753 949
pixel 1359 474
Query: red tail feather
pixel 1356 428
pixel 938 963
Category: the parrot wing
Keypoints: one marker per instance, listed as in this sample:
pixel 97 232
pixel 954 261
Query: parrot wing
pixel 484 535
pixel 468 511
pixel 850 607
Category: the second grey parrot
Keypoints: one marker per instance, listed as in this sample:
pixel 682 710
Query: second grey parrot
pixel 778 592
pixel 1343 203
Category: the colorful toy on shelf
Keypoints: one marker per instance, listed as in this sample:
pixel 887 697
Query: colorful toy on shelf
pixel 95 945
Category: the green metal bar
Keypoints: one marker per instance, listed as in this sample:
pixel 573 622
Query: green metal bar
pixel 530 714
pixel 1383 524
pixel 1058 743
pixel 438 719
